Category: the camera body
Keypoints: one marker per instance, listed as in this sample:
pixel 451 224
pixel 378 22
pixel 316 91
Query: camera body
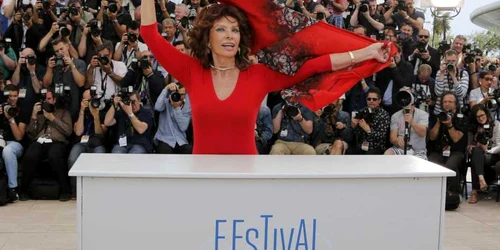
pixel 124 94
pixel 421 48
pixel 143 63
pixel 112 7
pixel 26 17
pixel 73 10
pixel 444 116
pixel 95 28
pixel 9 109
pixel 485 136
pixel 95 102
pixel 291 110
pixel 470 54
pixel 5 44
pixel 401 6
pixel 59 61
pixel 131 38
pixel 364 6
pixel 103 60
pixel 365 114
pixel 443 47
pixel 46 5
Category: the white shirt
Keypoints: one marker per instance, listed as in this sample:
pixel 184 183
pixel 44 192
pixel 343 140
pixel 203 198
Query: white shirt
pixel 119 69
pixel 131 54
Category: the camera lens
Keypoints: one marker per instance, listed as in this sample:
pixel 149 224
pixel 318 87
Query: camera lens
pixel 132 38
pixel 112 7
pixel 363 8
pixel 291 111
pixel 95 103
pixel 443 116
pixel 450 67
pixel 65 32
pixel 492 67
pixel 175 96
pixel 104 60
pixel 31 60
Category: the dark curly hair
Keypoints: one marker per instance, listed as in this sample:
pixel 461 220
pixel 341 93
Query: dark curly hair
pixel 200 34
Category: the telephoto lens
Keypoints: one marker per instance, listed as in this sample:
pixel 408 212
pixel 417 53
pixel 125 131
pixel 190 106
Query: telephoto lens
pixel 175 96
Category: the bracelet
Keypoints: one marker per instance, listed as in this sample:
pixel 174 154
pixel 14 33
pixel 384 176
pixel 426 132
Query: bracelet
pixel 32 74
pixel 406 18
pixel 450 127
pixel 131 115
pixel 351 55
pixel 12 121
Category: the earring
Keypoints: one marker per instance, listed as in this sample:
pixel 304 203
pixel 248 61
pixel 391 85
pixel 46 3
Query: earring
pixel 239 50
pixel 209 46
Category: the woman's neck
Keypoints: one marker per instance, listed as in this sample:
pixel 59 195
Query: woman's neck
pixel 224 62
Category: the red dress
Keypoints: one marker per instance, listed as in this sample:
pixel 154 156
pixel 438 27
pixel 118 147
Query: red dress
pixel 225 126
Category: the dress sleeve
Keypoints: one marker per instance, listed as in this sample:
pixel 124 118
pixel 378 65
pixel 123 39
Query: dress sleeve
pixel 276 81
pixel 179 65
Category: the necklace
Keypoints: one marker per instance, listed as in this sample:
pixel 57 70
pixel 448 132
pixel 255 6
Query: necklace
pixel 222 69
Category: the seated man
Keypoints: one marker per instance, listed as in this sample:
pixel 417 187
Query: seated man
pixel 263 130
pixel 134 124
pixel 50 127
pixel 294 125
pixel 332 130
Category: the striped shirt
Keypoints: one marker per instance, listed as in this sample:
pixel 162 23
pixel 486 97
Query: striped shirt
pixel 460 90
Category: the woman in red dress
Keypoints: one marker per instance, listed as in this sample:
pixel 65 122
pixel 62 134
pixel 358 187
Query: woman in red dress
pixel 225 90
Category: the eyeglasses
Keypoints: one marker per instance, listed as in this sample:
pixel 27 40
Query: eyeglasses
pixel 488 79
pixel 423 36
pixel 370 99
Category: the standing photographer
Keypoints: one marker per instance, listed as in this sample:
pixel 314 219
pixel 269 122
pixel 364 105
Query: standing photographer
pixel 294 125
pixel 7 59
pixel 50 127
pixel 370 125
pixel 484 93
pixel 105 74
pixel 13 125
pixel 423 89
pixel 484 146
pixel 58 31
pixel 451 78
pixel 134 125
pixel 114 19
pixel 90 131
pixel 416 121
pixel 130 47
pixel 77 18
pixel 449 137
pixel 45 12
pixel 66 71
pixel 175 115
pixel 404 12
pixel 28 78
pixel 368 18
pixel 424 54
pixel 91 39
pixel 332 131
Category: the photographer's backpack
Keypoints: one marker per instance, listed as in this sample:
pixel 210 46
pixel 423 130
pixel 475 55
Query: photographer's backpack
pixel 3 185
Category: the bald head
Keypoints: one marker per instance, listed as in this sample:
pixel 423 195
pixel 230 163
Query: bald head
pixel 28 52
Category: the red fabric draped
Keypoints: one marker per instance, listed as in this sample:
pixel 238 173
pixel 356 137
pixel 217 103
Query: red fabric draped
pixel 285 39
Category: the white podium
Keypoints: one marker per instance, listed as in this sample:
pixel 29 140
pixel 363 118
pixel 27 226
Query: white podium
pixel 196 202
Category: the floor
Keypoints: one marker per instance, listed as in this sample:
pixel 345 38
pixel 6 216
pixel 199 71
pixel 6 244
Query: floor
pixel 50 225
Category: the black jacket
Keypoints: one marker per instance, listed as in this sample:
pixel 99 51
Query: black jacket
pixel 155 83
pixel 434 62
pixel 402 76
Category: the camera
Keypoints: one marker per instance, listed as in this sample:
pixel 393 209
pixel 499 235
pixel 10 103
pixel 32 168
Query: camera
pixel 112 7
pixel 401 6
pixel 131 38
pixel 404 98
pixel 48 107
pixel 31 60
pixel 421 48
pixel 363 7
pixel 492 67
pixel 320 16
pixel 46 5
pixel 444 116
pixel 95 28
pixel 485 136
pixel 443 47
pixel 470 54
pixel 5 44
pixel 329 111
pixel 124 94
pixel 26 17
pixel 493 103
pixel 144 63
pixel 184 22
pixel 9 109
pixel 175 96
pixel 73 10
pixel 103 60
pixel 450 67
pixel 59 61
pixel 290 110
pixel 63 29
pixel 192 14
pixel 95 102
pixel 365 114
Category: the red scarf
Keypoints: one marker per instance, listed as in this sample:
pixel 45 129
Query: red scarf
pixel 282 32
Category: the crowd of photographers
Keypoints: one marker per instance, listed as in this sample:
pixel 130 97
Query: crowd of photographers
pixel 77 78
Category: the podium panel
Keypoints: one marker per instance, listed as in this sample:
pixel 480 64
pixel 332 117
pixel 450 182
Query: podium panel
pixel 259 202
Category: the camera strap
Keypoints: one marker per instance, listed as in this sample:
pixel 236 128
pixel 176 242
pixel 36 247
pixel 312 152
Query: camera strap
pixel 104 85
pixel 127 56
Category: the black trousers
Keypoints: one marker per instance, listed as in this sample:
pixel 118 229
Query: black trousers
pixel 359 151
pixel 453 162
pixel 55 153
pixel 262 148
pixel 164 148
pixel 480 160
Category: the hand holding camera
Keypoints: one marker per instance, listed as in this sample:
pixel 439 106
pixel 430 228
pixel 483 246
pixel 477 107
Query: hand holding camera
pixel 52 62
pixel 127 108
pixel 84 104
pixel 67 60
pixel 54 29
pixel 94 63
pixel 37 108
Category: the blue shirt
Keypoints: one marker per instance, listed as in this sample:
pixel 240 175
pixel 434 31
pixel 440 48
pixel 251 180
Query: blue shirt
pixel 264 124
pixel 173 123
pixel 125 127
pixel 294 132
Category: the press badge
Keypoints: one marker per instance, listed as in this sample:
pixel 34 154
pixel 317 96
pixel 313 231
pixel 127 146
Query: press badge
pixel 85 139
pixel 365 146
pixel 284 133
pixel 122 141
pixel 22 93
pixel 446 151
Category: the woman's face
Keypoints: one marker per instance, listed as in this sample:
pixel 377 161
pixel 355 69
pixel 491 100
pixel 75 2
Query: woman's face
pixel 225 37
pixel 481 117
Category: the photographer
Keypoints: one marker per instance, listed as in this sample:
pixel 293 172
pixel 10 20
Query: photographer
pixel 7 59
pixel 294 125
pixel 68 71
pixel 424 54
pixel 391 79
pixel 45 12
pixel 13 125
pixel 304 6
pixel 451 78
pixel 58 31
pixel 390 34
pixel 332 131
pixel 405 40
pixel 484 93
pixel 49 128
pixel 366 15
pixel 355 98
pixel 28 78
pixel 413 119
pixel 423 89
pixel 336 8
pixel 170 31
pixel 91 39
pixel 147 82
pixel 90 131
pixel 175 115
pixel 484 146
pixel 77 18
pixel 458 46
pixel 114 19
pixel 263 130
pixel 130 47
pixel 370 125
pixel 10 7
pixel 134 124
pixel 448 135
pixel 105 73
pixel 23 31
pixel 403 12
pixel 474 64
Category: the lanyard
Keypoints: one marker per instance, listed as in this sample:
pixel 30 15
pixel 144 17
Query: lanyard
pixel 127 56
pixel 87 132
pixel 104 84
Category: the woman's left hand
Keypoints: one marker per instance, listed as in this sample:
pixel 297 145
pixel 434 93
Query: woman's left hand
pixel 380 52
